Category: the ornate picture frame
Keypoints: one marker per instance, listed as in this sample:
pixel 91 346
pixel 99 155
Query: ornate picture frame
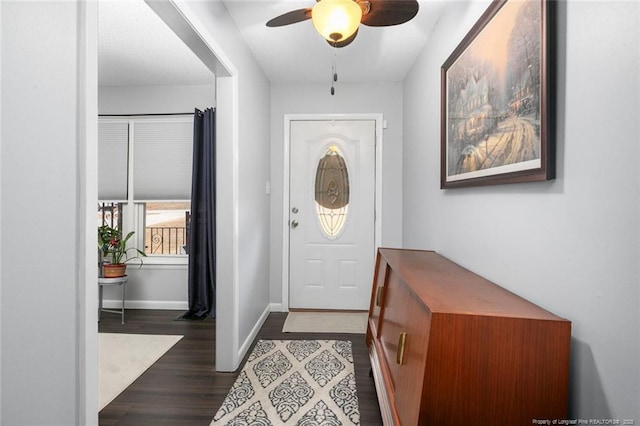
pixel 498 98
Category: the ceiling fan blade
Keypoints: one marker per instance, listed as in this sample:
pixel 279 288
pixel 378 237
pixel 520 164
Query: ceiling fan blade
pixel 383 13
pixel 290 18
pixel 344 42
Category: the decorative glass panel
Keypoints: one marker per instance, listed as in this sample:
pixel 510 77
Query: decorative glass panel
pixel 332 192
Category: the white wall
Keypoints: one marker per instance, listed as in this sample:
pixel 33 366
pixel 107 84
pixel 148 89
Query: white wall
pixel 154 286
pixel 155 99
pixel 42 234
pixel 151 287
pixel 385 98
pixel 570 245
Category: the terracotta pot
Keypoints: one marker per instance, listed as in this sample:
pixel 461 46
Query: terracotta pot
pixel 114 271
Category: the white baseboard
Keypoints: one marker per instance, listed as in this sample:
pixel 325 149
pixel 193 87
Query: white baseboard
pixel 147 304
pixel 242 351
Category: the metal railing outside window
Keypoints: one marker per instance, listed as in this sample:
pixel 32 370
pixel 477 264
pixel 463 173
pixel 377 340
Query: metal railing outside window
pixel 159 239
pixel 110 214
pixel 168 240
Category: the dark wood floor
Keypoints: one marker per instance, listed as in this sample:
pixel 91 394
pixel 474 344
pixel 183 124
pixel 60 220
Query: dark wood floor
pixel 182 388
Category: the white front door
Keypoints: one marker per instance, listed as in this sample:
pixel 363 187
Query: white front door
pixel 331 214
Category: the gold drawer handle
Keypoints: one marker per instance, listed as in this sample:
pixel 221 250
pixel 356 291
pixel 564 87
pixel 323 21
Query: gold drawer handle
pixel 400 354
pixel 379 296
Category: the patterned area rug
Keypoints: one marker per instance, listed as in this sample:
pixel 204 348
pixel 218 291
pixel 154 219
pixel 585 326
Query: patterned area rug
pixel 294 382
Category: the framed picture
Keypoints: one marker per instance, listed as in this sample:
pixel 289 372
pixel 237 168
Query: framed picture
pixel 498 104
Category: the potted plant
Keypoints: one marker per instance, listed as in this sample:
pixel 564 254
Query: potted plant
pixel 114 251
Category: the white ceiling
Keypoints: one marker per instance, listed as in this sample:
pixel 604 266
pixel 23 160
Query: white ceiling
pixel 137 48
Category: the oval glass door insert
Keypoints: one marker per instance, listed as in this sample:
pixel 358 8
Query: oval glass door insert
pixel 332 192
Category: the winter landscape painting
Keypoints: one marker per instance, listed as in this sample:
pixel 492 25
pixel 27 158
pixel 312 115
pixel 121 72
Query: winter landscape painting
pixel 496 108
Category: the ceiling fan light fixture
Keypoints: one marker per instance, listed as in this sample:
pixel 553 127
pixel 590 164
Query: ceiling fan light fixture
pixel 336 20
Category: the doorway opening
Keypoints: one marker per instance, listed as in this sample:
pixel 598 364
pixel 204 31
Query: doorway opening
pixel 181 19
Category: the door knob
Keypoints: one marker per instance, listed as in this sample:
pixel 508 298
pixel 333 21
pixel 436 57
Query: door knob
pixel 294 223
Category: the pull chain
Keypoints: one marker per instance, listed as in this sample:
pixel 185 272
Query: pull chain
pixel 334 72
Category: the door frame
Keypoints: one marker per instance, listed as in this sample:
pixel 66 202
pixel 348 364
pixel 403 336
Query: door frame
pixel 288 118
pixel 183 21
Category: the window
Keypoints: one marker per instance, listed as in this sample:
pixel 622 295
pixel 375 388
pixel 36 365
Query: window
pixel 145 169
pixel 109 214
pixel 166 225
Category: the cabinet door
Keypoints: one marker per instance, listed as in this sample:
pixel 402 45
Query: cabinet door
pixel 377 295
pixel 404 335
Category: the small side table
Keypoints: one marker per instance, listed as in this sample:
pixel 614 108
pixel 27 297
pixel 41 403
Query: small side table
pixel 119 281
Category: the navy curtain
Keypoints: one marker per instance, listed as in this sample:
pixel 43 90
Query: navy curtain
pixel 202 233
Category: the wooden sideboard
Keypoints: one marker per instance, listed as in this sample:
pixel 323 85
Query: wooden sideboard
pixel 448 347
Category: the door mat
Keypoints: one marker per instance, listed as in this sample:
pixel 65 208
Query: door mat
pixel 326 322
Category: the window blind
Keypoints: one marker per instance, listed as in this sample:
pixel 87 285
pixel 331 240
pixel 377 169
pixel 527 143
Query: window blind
pixel 162 157
pixel 113 142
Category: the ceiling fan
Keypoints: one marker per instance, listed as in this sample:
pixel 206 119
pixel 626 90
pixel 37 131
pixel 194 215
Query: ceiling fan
pixel 338 20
